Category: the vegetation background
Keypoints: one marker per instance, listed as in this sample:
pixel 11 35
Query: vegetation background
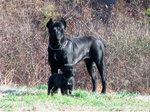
pixel 124 25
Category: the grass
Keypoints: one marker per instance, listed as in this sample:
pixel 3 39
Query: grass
pixel 36 99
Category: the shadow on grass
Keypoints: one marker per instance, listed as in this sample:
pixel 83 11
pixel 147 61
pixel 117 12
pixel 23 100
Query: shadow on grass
pixel 16 93
pixel 8 91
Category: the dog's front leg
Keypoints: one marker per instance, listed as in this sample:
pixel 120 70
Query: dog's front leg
pixel 54 70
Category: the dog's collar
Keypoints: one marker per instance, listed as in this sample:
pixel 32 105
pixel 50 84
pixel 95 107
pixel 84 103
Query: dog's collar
pixel 62 47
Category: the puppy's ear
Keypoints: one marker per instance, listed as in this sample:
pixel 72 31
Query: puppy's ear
pixel 75 70
pixel 49 22
pixel 63 22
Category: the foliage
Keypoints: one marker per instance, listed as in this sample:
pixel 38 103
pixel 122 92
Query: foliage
pixel 148 12
pixel 48 13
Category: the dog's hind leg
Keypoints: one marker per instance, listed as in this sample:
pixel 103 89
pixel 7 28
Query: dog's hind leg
pixel 101 68
pixel 90 68
pixel 97 54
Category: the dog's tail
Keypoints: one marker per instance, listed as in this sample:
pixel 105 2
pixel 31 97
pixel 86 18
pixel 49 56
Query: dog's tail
pixel 103 43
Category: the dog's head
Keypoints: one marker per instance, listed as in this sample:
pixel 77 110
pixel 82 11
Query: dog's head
pixel 57 32
pixel 68 71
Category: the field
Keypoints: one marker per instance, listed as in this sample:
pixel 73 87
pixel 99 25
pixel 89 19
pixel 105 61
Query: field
pixel 35 99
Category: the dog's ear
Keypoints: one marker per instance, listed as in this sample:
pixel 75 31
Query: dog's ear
pixel 63 22
pixel 49 23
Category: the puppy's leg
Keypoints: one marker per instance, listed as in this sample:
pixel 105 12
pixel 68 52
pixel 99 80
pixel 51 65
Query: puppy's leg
pixel 70 90
pixel 64 91
pixel 50 86
pixel 55 90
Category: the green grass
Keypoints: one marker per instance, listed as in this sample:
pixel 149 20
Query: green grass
pixel 18 98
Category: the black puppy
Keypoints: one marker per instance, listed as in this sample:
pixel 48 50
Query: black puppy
pixel 64 81
pixel 62 51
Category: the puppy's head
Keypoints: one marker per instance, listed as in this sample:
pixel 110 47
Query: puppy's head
pixel 68 70
pixel 56 31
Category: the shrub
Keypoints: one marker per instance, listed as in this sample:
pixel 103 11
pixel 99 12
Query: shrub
pixel 48 13
pixel 148 12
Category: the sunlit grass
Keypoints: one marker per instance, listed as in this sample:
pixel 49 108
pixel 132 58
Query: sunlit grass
pixel 107 102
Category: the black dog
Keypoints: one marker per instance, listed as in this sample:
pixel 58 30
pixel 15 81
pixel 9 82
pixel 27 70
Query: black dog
pixel 64 81
pixel 62 50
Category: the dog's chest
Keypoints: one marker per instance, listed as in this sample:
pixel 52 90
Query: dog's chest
pixel 60 56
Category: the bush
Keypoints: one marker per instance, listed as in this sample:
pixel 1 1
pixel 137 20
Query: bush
pixel 48 13
pixel 148 12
